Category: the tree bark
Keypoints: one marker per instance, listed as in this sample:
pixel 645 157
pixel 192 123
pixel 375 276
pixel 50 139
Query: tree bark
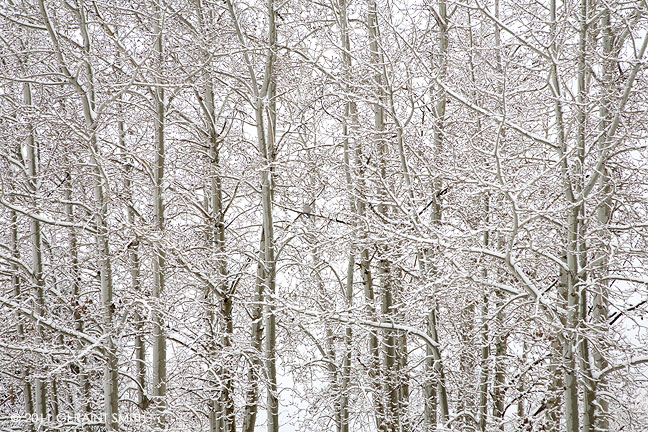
pixel 159 333
pixel 40 405
pixel 20 330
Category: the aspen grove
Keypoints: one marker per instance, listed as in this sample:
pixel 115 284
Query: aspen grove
pixel 324 215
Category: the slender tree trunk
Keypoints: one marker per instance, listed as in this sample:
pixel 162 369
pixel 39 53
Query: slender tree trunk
pixel 577 302
pixel 596 415
pixel 553 396
pixel 348 349
pixel 134 267
pixel 111 372
pixel 256 366
pixel 84 382
pixel 569 286
pixel 266 133
pixel 569 363
pixel 222 415
pixel 368 288
pixel 159 257
pixel 499 336
pixel 348 332
pixel 589 387
pixel 484 356
pixel 218 238
pixel 482 417
pixel 435 388
pixel 269 263
pixel 266 140
pixel 557 375
pixel 389 385
pixel 36 251
pixel 521 388
pixel 20 330
pixel 499 367
pixel 349 114
pixel 435 391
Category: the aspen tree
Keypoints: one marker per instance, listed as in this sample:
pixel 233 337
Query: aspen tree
pixel 436 397
pixel 159 332
pixel 350 116
pixel 499 358
pixel 40 389
pixel 20 330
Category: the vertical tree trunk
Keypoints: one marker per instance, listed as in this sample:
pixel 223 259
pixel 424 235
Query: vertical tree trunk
pixel 600 420
pixel 269 263
pixel 499 367
pixel 389 383
pixel 84 382
pixel 557 381
pixel 349 116
pixel 482 417
pixel 256 366
pixel 569 363
pixel 222 415
pixel 265 139
pixel 348 349
pixel 111 372
pixel 270 318
pixel 435 391
pixel 159 257
pixel 553 395
pixel 40 404
pixel 20 330
pixel 266 133
pixel 589 389
pixel 135 273
pixel 569 286
pixel 217 235
pixel 521 388
pixel 435 388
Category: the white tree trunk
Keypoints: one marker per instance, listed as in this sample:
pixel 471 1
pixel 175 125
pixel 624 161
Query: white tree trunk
pixel 40 405
pixel 159 255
